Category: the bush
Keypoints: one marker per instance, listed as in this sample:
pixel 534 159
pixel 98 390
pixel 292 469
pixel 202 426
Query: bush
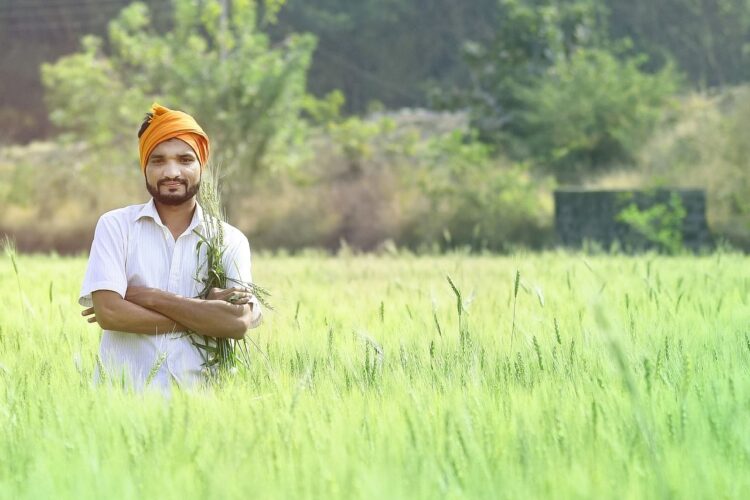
pixel 472 199
pixel 593 111
pixel 385 179
pixel 52 195
pixel 660 224
pixel 705 145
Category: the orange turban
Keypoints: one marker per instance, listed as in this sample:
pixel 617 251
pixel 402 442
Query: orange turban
pixel 170 124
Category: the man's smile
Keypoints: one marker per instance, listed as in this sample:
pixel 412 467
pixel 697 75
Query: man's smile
pixel 172 184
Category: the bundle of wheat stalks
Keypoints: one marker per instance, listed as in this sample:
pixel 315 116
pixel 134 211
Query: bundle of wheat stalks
pixel 220 355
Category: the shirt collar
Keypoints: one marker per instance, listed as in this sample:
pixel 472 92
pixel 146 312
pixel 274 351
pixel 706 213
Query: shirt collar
pixel 149 210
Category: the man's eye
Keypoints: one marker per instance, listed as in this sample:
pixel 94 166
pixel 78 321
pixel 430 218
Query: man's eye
pixel 157 160
pixel 187 160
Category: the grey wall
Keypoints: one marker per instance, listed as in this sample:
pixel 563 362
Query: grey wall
pixel 591 215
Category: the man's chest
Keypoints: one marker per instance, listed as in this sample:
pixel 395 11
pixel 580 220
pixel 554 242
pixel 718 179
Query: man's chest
pixel 155 259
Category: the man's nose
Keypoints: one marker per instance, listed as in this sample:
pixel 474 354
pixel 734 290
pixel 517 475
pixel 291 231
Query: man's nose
pixel 172 168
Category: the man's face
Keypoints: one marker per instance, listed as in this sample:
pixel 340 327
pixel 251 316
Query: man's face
pixel 173 173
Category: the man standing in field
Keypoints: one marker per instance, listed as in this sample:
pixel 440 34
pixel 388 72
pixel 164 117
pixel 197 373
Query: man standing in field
pixel 140 282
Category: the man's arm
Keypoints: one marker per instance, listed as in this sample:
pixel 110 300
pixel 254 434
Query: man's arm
pixel 105 284
pixel 112 312
pixel 214 318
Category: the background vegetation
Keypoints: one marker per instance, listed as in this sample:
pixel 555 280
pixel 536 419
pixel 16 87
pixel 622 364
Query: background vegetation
pixel 426 124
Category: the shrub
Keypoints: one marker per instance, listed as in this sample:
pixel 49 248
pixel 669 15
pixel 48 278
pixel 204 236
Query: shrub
pixel 475 200
pixel 705 145
pixel 593 111
pixel 659 224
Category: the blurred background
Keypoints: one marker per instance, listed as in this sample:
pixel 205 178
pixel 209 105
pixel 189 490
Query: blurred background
pixel 376 124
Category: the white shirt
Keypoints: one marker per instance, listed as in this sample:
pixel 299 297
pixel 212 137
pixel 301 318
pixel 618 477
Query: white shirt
pixel 133 247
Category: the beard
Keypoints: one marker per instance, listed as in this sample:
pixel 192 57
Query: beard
pixel 173 199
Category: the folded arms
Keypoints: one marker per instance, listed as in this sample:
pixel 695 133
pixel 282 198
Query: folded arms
pixel 153 311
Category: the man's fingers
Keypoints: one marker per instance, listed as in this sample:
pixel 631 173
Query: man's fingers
pixel 89 312
pixel 233 295
pixel 240 298
pixel 227 292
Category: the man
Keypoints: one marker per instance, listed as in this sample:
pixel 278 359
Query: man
pixel 140 282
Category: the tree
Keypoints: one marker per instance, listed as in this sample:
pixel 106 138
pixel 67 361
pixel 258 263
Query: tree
pixel 532 36
pixel 553 88
pixel 592 111
pixel 215 62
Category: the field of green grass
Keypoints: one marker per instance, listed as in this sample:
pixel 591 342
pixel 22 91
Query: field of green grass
pixel 616 377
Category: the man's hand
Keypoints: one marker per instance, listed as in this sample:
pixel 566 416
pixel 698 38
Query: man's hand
pixel 235 295
pixel 89 312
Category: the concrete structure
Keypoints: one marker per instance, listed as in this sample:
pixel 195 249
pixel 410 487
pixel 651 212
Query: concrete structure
pixel 586 215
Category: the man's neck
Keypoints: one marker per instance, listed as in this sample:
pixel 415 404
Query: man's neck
pixel 176 217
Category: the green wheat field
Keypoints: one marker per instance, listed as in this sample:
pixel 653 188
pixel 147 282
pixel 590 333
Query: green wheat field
pixel 597 376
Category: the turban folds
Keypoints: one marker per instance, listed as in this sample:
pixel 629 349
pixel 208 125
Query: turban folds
pixel 171 124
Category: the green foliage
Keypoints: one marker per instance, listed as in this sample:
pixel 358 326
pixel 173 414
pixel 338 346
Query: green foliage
pixel 592 110
pixel 705 145
pixel 53 193
pixel 531 37
pixel 354 138
pixel 553 89
pixel 660 224
pixel 325 110
pixel 89 101
pixel 479 201
pixel 218 66
pixel 412 179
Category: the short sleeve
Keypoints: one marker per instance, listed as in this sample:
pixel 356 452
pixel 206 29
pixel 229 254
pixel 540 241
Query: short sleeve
pixel 106 265
pixel 237 266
